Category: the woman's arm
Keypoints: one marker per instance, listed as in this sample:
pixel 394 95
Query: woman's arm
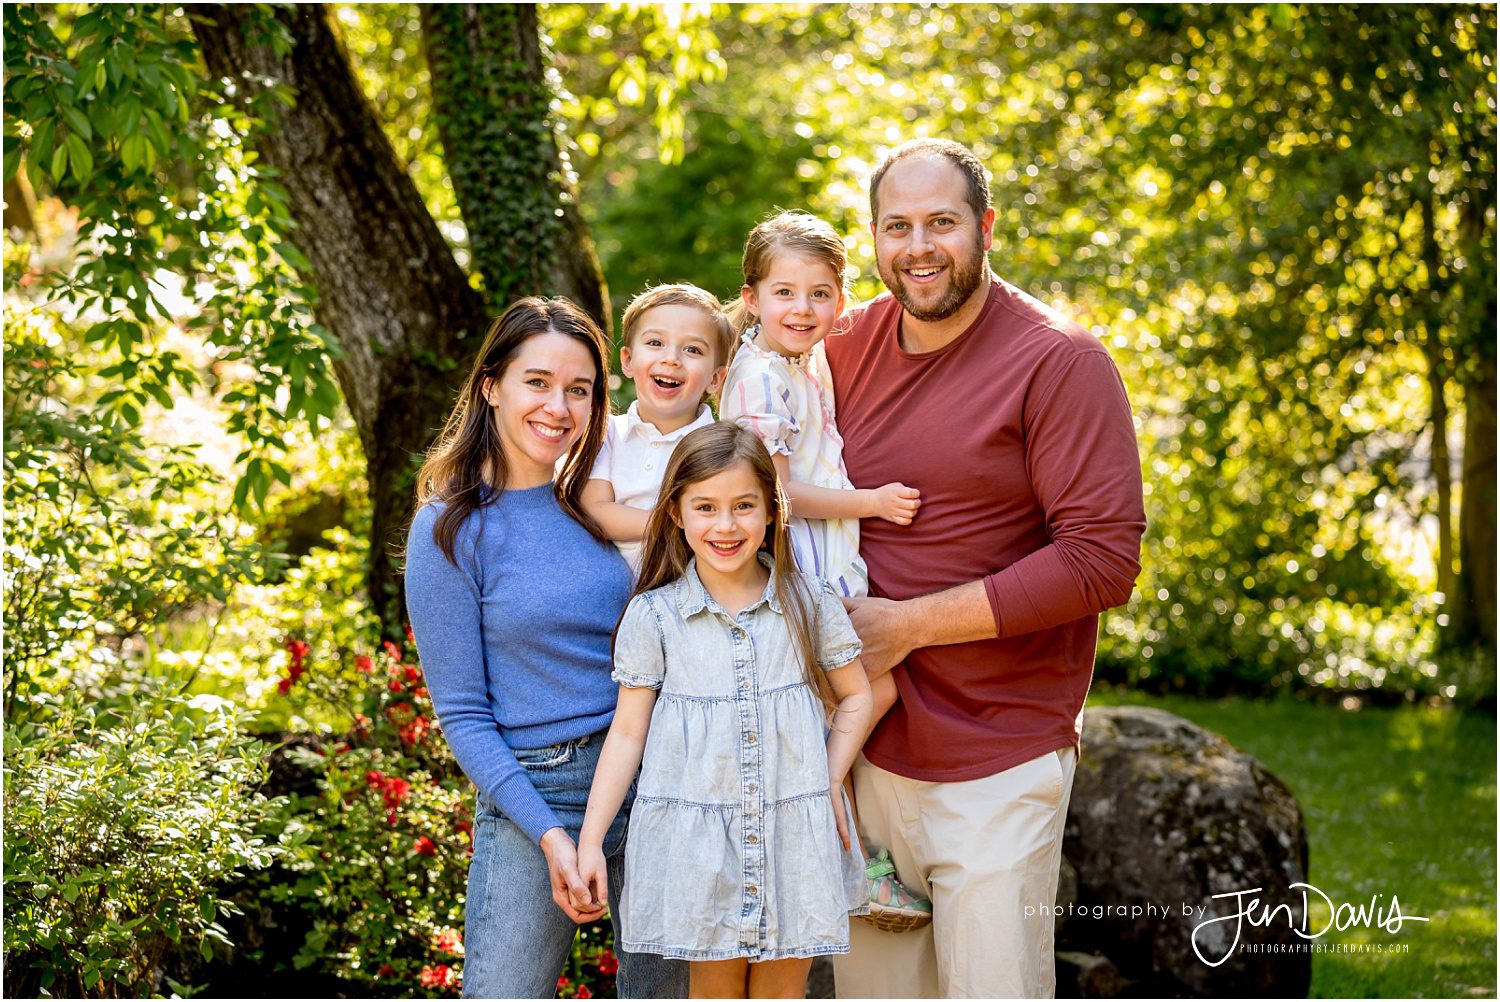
pixel 620 522
pixel 894 502
pixel 443 602
pixel 619 761
pixel 851 720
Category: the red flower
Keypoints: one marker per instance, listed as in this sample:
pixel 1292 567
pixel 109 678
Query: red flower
pixel 364 663
pixel 583 992
pixel 413 674
pixel 448 940
pixel 396 791
pixel 297 649
pixel 285 685
pixel 395 685
pixel 440 976
pixel 393 651
pixel 424 846
pixel 411 638
pixel 386 970
pixel 562 982
pixel 608 962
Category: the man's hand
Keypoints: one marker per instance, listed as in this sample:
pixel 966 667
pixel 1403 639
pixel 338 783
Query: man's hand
pixel 883 630
pixel 569 892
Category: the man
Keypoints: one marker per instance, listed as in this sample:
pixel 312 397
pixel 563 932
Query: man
pixel 1012 421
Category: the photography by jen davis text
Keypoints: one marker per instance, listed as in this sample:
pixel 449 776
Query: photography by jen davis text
pixel 1216 937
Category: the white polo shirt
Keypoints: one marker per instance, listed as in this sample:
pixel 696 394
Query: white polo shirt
pixel 634 458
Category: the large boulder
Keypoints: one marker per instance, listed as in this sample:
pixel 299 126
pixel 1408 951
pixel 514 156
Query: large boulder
pixel 1169 827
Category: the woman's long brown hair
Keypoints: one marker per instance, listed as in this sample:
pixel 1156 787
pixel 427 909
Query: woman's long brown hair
pixel 466 468
pixel 706 453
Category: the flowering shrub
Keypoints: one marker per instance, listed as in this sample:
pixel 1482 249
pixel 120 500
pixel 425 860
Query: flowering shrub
pixel 379 856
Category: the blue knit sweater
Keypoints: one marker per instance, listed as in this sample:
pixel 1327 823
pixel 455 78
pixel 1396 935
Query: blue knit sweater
pixel 515 639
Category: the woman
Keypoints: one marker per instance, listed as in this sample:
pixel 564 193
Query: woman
pixel 513 594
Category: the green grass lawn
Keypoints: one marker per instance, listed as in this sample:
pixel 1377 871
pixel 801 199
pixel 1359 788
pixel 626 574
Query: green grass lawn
pixel 1397 801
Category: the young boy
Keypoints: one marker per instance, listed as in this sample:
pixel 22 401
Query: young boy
pixel 677 342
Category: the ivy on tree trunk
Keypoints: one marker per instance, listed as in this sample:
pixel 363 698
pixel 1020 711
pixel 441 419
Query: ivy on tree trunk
pixel 492 102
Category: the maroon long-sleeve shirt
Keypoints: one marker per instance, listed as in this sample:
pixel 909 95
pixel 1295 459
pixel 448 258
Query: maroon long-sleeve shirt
pixel 1019 436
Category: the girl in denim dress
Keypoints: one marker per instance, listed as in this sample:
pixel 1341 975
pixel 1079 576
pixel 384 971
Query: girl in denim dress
pixel 743 704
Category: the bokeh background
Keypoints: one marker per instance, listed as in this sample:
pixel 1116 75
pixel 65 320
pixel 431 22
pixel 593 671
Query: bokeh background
pixel 248 251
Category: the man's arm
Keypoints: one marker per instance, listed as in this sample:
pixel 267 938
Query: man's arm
pixel 1085 471
pixel 892 630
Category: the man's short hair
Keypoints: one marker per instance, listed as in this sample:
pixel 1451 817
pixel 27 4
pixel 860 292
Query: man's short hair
pixel 681 294
pixel 960 156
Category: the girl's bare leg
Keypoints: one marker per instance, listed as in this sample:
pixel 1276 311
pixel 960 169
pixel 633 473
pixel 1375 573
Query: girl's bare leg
pixel 779 979
pixel 719 979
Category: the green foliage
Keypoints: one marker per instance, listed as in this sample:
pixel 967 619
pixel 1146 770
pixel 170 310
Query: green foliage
pixel 123 823
pixel 729 155
pixel 1231 198
pixel 109 535
pixel 108 111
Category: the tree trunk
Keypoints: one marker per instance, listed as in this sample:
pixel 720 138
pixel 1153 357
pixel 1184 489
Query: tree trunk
pixel 392 294
pixel 390 291
pixel 1473 620
pixel 492 106
pixel 1437 388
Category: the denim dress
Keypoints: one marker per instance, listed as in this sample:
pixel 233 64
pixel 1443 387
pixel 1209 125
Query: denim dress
pixel 733 849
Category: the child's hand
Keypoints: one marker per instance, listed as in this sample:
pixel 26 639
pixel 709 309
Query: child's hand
pixel 568 890
pixel 594 874
pixel 836 794
pixel 897 503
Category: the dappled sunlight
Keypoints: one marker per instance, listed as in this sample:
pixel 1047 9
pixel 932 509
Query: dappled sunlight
pixel 1278 220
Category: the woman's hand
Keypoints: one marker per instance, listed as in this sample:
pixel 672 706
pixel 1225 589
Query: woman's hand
pixel 593 872
pixel 568 889
pixel 840 818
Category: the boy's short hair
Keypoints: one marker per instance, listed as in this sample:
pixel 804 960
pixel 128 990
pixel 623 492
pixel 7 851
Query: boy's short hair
pixel 681 294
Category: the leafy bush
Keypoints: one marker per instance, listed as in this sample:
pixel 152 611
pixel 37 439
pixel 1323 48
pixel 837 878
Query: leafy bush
pixel 377 856
pixel 121 828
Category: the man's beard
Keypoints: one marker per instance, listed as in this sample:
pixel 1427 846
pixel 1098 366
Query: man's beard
pixel 965 275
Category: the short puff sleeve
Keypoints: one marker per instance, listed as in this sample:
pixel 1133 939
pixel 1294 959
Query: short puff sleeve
pixel 640 648
pixel 758 398
pixel 838 644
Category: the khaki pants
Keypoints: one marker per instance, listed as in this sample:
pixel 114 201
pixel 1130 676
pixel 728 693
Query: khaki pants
pixel 982 850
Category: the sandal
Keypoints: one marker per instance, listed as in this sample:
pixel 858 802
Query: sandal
pixel 892 907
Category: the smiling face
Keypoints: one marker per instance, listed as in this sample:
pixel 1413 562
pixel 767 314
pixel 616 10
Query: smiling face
pixel 796 301
pixel 724 519
pixel 673 360
pixel 541 402
pixel 929 246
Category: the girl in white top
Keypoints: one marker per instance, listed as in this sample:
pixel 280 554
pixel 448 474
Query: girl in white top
pixel 779 387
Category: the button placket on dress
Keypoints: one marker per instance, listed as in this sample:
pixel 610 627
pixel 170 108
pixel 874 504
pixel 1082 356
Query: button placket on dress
pixel 752 773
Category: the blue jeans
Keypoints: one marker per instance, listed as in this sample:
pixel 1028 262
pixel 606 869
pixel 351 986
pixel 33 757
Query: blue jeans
pixel 516 939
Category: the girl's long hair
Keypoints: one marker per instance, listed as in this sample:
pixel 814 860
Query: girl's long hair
pixel 706 453
pixel 466 469
pixel 799 232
